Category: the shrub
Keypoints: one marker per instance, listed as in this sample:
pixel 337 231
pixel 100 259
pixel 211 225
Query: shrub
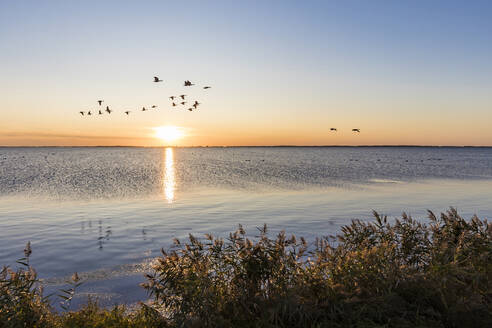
pixel 404 273
pixel 21 296
pixel 378 274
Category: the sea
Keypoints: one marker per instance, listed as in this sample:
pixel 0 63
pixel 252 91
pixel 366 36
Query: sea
pixel 106 212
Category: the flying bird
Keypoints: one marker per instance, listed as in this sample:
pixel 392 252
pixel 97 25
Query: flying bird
pixel 182 96
pixel 196 104
pixel 172 97
pixel 108 110
pixel 156 79
pixel 174 104
pixel 333 129
pixel 154 106
pixel 144 109
pixel 355 130
pixel 89 113
pixel 183 102
pixel 188 83
pixel 127 112
pixel 207 87
pixel 190 109
pixel 82 113
pixel 100 102
pixel 100 112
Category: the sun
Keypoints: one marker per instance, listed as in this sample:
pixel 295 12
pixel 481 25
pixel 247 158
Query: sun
pixel 168 133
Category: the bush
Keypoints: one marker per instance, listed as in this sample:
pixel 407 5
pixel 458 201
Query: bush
pixel 21 296
pixel 377 274
pixel 373 274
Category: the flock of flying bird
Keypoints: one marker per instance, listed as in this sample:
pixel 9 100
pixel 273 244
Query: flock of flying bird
pixel 175 100
pixel 353 130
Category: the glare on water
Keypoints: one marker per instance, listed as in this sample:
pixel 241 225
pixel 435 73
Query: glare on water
pixel 169 181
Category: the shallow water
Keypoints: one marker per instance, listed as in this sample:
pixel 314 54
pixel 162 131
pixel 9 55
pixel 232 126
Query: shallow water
pixel 106 212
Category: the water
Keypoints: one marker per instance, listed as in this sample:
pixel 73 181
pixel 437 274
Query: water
pixel 106 212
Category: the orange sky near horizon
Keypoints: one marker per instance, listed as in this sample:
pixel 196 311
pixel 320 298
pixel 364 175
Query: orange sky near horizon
pixel 282 73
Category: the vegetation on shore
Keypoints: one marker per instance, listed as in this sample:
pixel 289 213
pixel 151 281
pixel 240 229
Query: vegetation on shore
pixel 379 274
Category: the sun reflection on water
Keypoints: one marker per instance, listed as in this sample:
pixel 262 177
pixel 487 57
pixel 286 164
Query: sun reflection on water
pixel 169 182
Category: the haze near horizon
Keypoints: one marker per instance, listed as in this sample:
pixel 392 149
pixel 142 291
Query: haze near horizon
pixel 282 73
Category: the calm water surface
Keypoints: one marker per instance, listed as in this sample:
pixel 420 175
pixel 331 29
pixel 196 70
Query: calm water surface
pixel 106 212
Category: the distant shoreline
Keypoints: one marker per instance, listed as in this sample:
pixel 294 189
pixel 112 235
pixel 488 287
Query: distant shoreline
pixel 276 146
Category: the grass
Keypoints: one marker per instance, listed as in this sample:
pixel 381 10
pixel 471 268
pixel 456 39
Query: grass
pixel 378 274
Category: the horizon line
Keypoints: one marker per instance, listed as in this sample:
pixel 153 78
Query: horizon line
pixel 257 146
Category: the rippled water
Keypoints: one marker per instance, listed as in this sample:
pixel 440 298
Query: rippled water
pixel 106 212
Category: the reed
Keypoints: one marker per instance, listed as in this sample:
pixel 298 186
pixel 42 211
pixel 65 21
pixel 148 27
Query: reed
pixel 401 273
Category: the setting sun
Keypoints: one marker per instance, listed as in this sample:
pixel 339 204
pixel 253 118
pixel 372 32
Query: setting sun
pixel 168 133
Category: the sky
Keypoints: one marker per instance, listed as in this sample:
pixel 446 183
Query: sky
pixel 282 72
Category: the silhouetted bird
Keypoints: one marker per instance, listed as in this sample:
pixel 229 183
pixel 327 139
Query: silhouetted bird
pixel 82 113
pixel 207 87
pixel 182 96
pixel 89 113
pixel 174 104
pixel 190 109
pixel 172 97
pixel 100 102
pixel 333 129
pixel 100 112
pixel 188 83
pixel 183 102
pixel 127 112
pixel 108 110
pixel 156 79
pixel 154 106
pixel 356 130
pixel 144 109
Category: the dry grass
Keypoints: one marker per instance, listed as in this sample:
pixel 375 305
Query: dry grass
pixel 378 274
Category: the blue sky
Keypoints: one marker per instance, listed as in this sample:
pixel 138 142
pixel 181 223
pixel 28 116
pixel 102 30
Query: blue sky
pixel 282 71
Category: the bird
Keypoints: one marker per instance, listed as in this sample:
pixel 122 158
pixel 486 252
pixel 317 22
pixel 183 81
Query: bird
pixel 183 102
pixel 89 113
pixel 100 102
pixel 100 112
pixel 172 97
pixel 144 109
pixel 207 87
pixel 82 113
pixel 127 112
pixel 187 83
pixel 333 129
pixel 156 79
pixel 108 110
pixel 174 104
pixel 190 109
pixel 355 130
pixel 196 104
pixel 182 96
pixel 154 106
